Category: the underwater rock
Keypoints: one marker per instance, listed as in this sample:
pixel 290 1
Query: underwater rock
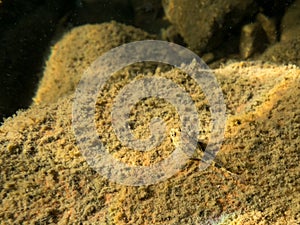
pixel 253 40
pixel 257 36
pixel 269 27
pixel 73 54
pixel 44 175
pixel 204 24
pixel 287 51
pixel 290 25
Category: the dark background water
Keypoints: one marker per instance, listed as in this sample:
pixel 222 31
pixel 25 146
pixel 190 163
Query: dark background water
pixel 29 28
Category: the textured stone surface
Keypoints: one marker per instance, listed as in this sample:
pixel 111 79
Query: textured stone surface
pixel 287 50
pixel 290 25
pixel 45 179
pixel 204 24
pixel 73 54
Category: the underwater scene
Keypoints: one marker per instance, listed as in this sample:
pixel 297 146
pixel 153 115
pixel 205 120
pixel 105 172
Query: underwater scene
pixel 161 112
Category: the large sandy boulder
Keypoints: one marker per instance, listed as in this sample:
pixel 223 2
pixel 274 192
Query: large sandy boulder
pixel 45 179
pixel 74 53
